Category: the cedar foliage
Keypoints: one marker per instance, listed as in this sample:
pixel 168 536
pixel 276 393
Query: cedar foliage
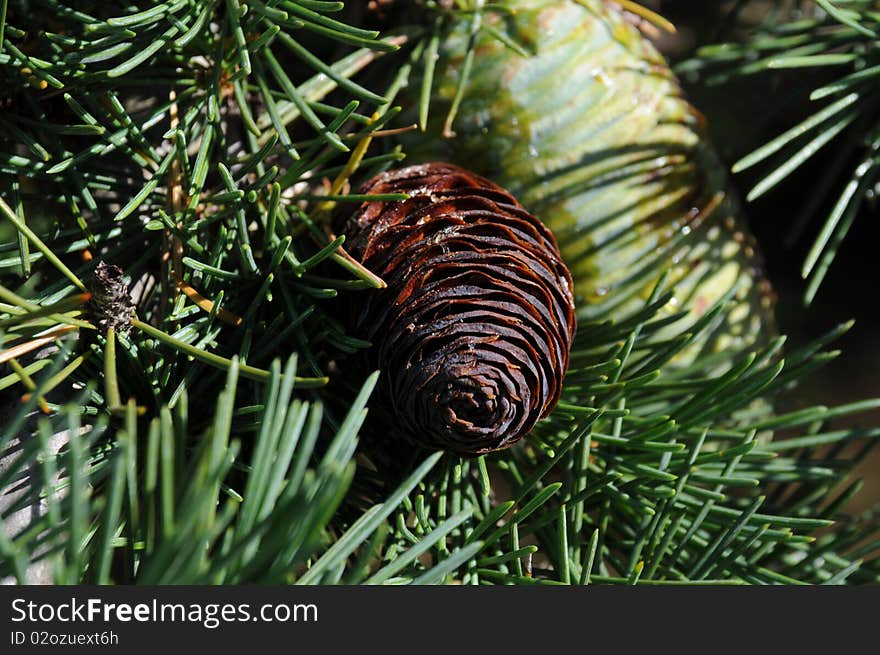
pixel 202 148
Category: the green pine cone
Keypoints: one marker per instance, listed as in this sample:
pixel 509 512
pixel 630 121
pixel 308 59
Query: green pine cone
pixel 591 132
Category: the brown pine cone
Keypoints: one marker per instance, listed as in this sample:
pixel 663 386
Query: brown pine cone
pixel 474 330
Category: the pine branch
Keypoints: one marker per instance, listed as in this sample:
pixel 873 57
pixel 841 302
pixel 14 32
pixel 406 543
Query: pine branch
pixel 203 148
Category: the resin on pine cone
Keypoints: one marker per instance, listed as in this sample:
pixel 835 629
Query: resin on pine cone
pixel 474 331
